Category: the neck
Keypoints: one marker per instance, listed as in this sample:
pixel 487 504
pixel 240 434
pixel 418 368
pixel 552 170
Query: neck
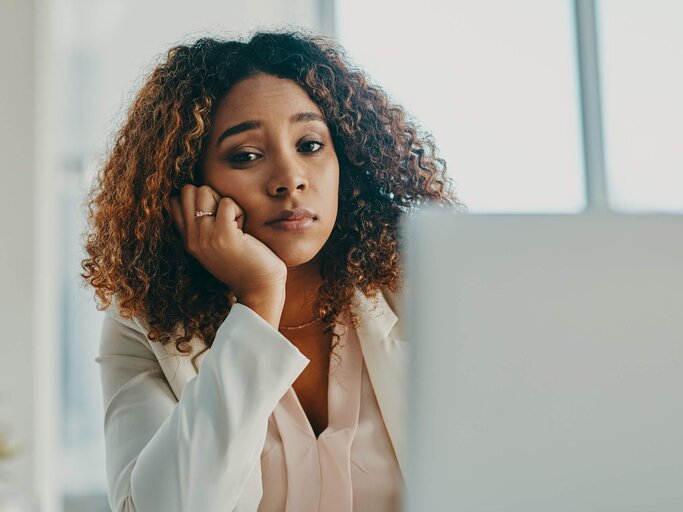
pixel 301 292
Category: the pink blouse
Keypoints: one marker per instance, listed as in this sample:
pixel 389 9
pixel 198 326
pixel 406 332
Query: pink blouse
pixel 351 466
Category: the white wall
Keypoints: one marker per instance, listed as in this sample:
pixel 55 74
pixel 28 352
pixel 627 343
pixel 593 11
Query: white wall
pixel 17 203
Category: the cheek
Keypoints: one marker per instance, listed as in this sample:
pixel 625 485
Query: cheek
pixel 229 186
pixel 330 185
pixel 328 198
pixel 334 192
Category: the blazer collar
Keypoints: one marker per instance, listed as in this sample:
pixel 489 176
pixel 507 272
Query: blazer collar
pixel 376 319
pixel 385 354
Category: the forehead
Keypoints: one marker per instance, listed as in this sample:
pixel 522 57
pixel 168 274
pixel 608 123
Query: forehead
pixel 264 96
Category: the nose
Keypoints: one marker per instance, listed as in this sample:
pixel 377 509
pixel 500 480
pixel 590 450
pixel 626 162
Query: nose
pixel 287 177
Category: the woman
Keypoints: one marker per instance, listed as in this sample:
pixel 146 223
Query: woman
pixel 245 231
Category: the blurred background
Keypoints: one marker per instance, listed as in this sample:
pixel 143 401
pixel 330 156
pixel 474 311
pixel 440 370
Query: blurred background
pixel 552 106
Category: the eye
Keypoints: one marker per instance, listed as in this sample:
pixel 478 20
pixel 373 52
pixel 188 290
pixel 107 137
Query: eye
pixel 309 143
pixel 244 157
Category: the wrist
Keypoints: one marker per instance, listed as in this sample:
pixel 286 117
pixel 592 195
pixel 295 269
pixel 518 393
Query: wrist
pixel 268 304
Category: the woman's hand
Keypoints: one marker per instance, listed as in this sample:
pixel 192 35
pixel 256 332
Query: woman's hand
pixel 255 274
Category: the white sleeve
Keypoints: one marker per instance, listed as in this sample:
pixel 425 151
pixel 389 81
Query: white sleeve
pixel 194 454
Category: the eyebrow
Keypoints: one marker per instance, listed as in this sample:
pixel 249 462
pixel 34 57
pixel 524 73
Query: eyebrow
pixel 301 117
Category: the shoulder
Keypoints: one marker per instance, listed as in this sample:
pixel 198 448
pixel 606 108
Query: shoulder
pixel 124 333
pixel 119 329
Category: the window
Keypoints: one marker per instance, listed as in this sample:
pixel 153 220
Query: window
pixel 642 76
pixel 495 83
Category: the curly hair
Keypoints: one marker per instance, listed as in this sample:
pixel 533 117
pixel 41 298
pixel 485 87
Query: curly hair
pixel 135 257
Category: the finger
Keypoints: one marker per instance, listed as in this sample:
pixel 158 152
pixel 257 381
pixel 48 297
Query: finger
pixel 177 215
pixel 229 213
pixel 206 199
pixel 187 203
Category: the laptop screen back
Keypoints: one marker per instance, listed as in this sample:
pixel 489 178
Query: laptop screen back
pixel 546 368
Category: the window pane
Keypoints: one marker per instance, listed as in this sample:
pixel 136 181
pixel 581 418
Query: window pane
pixel 493 80
pixel 642 51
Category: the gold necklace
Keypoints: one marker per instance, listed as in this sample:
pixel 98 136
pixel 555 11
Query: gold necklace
pixel 293 327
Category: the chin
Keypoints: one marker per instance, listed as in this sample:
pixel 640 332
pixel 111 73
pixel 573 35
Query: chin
pixel 294 258
pixel 296 252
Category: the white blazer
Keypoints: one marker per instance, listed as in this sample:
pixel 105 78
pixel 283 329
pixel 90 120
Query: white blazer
pixel 185 433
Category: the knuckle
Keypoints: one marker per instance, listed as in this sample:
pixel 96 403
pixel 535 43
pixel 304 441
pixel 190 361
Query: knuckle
pixel 220 241
pixel 228 205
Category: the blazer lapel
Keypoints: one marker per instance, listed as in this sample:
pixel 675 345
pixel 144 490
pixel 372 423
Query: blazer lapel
pixel 384 350
pixel 385 354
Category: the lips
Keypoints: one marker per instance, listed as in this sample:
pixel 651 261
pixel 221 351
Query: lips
pixel 297 214
pixel 293 220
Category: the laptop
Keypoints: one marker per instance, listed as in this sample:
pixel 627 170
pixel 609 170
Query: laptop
pixel 546 366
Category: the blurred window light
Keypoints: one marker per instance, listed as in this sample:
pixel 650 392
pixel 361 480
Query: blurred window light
pixel 494 81
pixel 642 77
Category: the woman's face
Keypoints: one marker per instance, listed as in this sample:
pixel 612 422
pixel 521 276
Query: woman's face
pixel 270 150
